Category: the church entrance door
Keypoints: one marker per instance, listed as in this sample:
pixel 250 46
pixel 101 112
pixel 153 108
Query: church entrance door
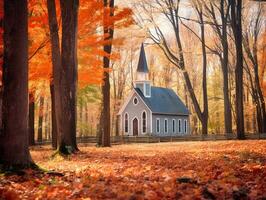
pixel 135 127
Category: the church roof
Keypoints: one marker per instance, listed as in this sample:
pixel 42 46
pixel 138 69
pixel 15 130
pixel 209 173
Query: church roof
pixel 142 65
pixel 164 101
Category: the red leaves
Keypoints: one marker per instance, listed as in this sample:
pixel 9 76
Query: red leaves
pixel 190 170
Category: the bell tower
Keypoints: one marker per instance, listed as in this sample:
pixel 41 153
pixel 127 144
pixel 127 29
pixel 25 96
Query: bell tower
pixel 142 81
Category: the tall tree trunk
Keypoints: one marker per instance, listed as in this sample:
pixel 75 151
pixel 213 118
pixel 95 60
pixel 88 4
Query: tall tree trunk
pixel 67 140
pixel 81 119
pixel 40 120
pixel 236 15
pixel 224 64
pixel 87 118
pixel 14 142
pixel 54 124
pixel 31 118
pixel 108 30
pixel 261 101
pixel 205 111
pixel 99 134
pixel 55 87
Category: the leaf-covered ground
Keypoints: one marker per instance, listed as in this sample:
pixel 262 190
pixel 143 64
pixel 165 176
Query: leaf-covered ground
pixel 185 170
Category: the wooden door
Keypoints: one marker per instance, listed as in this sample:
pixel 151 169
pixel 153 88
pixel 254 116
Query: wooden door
pixel 135 127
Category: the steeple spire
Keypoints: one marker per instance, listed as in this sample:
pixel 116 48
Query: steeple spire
pixel 142 76
pixel 142 65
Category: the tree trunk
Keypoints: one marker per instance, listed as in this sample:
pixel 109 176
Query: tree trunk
pixel 56 97
pixel 261 101
pixel 40 121
pixel 99 135
pixel 205 111
pixel 224 64
pixel 67 140
pixel 54 128
pixel 14 142
pixel 81 119
pixel 31 118
pixel 106 82
pixel 236 15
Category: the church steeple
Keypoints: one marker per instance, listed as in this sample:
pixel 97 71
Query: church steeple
pixel 142 65
pixel 142 81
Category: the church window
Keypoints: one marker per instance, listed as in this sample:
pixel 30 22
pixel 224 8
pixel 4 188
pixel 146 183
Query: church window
pixel 126 123
pixel 179 126
pixel 144 122
pixel 166 126
pixel 185 126
pixel 173 126
pixel 135 101
pixel 158 125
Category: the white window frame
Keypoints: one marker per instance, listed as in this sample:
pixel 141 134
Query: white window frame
pixel 158 127
pixel 185 126
pixel 145 92
pixel 125 123
pixel 174 126
pixel 179 126
pixel 165 120
pixel 144 111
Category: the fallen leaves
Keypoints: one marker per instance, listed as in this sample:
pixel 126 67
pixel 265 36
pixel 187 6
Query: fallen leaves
pixel 189 170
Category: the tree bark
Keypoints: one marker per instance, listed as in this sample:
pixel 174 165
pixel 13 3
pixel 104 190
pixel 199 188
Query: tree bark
pixel 56 97
pixel 69 10
pixel 224 64
pixel 236 16
pixel 205 111
pixel 40 120
pixel 105 116
pixel 54 124
pixel 14 140
pixel 31 118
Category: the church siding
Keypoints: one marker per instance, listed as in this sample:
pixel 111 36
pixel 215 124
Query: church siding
pixel 136 111
pixel 169 119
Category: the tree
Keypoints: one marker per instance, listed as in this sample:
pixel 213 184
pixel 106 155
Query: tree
pixel 251 47
pixel 40 119
pixel 105 126
pixel 123 18
pixel 67 138
pixel 57 73
pixel 222 52
pixel 31 118
pixel 236 23
pixel 14 137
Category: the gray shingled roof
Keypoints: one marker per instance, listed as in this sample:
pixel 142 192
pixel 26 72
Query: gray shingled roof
pixel 164 101
pixel 142 65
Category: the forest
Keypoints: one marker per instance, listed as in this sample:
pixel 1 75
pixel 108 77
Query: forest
pixel 68 67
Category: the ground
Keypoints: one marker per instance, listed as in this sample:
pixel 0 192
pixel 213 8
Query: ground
pixel 184 170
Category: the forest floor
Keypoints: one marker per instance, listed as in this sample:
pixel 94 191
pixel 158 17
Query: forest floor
pixel 184 170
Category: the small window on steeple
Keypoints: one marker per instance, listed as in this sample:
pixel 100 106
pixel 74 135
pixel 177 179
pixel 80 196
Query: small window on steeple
pixel 147 89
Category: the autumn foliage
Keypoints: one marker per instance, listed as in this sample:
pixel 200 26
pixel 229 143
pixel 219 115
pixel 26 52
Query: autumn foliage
pixel 191 170
pixel 90 40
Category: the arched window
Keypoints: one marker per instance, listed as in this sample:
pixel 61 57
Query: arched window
pixel 126 123
pixel 173 126
pixel 165 125
pixel 158 125
pixel 144 122
pixel 179 126
pixel 185 126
